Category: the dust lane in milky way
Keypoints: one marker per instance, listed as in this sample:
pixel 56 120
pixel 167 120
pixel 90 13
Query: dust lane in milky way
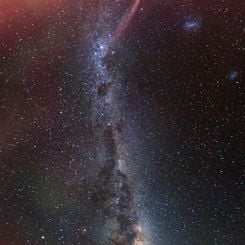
pixel 112 191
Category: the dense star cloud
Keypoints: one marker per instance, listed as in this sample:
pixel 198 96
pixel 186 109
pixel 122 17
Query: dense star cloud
pixel 121 122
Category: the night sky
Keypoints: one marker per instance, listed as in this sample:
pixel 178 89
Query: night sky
pixel 121 122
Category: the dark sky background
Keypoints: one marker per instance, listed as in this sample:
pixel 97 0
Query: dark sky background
pixel 181 67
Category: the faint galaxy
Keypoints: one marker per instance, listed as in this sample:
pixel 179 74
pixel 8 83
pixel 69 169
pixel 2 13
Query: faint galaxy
pixel 233 74
pixel 192 24
pixel 121 122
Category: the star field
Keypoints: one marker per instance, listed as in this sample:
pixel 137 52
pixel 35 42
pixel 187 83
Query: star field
pixel 121 122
